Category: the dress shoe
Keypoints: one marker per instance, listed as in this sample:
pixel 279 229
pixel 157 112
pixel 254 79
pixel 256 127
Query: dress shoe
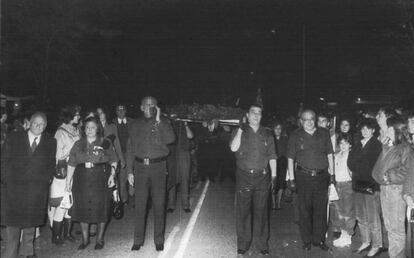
pixel 307 246
pixel 135 247
pixel 99 245
pixel 159 247
pixel 187 210
pixel 241 251
pixel 83 246
pixel 362 248
pixel 322 246
pixel 169 210
pixel 264 252
pixel 374 252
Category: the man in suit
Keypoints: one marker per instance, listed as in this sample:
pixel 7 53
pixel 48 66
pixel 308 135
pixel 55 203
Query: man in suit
pixel 123 127
pixel 27 166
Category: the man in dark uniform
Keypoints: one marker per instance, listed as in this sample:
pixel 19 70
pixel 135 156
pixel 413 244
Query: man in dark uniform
pixel 311 149
pixel 146 157
pixel 255 150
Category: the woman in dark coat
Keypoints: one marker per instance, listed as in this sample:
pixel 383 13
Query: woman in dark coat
pixel 361 161
pixel 26 172
pixel 92 165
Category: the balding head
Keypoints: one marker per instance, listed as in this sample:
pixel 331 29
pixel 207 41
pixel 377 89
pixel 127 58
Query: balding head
pixel 38 123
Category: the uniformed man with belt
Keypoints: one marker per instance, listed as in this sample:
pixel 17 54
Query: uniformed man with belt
pixel 146 157
pixel 311 149
pixel 255 150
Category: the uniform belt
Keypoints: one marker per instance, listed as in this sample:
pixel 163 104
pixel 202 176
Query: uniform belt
pixel 147 161
pixel 83 165
pixel 253 171
pixel 310 171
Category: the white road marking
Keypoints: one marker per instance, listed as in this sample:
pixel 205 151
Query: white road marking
pixel 169 241
pixel 189 229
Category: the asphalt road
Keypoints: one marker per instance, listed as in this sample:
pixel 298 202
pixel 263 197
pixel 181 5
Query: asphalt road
pixel 208 232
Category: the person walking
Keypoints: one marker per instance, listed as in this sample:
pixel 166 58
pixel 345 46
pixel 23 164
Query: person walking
pixel 255 151
pixel 27 166
pixel 146 157
pixel 91 172
pixel 311 149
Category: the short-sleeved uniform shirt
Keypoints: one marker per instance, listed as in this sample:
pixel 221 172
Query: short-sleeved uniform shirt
pixel 148 139
pixel 256 149
pixel 310 150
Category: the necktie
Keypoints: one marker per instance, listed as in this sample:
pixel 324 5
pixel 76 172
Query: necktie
pixel 34 144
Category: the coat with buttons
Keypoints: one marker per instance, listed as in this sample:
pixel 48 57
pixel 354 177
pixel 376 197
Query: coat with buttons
pixel 25 179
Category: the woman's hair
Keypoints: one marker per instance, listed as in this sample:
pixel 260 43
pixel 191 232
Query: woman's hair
pixel 349 120
pixel 67 114
pixel 370 123
pixel 99 130
pixel 344 137
pixel 400 129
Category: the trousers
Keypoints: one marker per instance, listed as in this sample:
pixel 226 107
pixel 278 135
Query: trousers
pixel 312 202
pixel 252 204
pixel 150 180
pixel 13 242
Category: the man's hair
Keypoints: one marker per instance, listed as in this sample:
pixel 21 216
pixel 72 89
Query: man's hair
pixel 388 111
pixel 255 105
pixel 149 97
pixel 323 114
pixel 400 129
pixel 308 111
pixel 120 105
pixel 38 114
pixel 370 123
pixel 410 114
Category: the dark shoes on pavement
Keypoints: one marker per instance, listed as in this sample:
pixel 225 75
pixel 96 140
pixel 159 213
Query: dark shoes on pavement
pixel 83 246
pixel 241 251
pixel 187 210
pixel 170 210
pixel 135 247
pixel 159 247
pixel 99 245
pixel 322 246
pixel 264 252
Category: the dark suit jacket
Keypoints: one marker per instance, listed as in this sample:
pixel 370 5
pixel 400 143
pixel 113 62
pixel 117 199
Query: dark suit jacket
pixel 361 160
pixel 117 143
pixel 25 179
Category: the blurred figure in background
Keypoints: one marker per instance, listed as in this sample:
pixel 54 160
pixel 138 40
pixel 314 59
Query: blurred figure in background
pixel 281 141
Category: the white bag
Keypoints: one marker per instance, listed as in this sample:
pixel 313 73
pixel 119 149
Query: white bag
pixel 67 201
pixel 332 193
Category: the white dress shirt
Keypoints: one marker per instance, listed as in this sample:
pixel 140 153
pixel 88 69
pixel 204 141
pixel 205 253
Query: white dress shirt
pixel 122 121
pixel 32 138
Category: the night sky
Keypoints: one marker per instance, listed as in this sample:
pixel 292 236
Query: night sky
pixel 206 51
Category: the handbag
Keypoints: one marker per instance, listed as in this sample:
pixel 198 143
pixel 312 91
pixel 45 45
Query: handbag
pixel 67 201
pixel 365 187
pixel 117 205
pixel 61 169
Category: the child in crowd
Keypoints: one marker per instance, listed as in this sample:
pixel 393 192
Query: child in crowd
pixel 344 221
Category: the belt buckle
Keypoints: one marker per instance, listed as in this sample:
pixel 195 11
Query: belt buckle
pixel 146 161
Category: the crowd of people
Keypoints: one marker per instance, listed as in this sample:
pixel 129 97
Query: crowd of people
pixel 69 177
